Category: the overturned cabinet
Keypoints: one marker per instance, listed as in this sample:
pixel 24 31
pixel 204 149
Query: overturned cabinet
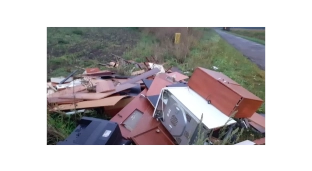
pixel 224 93
pixel 179 109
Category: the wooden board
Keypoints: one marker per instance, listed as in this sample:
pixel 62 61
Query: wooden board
pixel 178 76
pixel 109 101
pixel 258 119
pixel 105 86
pixel 62 101
pixel 157 85
pixel 92 70
pixel 260 141
pixel 95 96
pixel 142 76
pixel 68 90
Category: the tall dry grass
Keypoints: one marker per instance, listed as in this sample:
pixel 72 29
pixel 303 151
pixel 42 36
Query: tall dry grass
pixel 165 48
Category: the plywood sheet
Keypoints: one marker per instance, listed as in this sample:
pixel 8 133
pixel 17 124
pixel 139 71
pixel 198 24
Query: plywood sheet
pixel 105 86
pixel 109 101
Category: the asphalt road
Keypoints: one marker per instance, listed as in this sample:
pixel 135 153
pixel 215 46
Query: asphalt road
pixel 253 51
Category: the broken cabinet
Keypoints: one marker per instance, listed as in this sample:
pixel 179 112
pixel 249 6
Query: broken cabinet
pixel 224 93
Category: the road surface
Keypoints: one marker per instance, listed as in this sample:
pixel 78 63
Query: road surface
pixel 253 51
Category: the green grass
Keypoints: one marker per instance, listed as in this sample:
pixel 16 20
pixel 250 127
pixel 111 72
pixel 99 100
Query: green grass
pixel 257 36
pixel 210 51
pixel 85 47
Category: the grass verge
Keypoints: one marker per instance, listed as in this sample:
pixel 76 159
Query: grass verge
pixel 257 36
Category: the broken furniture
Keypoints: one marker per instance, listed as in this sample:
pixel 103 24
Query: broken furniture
pixel 92 131
pixel 224 93
pixel 157 108
pixel 257 122
pixel 137 123
pixel 179 109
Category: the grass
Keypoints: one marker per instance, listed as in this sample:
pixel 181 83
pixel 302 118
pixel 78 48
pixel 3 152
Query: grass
pixel 254 35
pixel 86 47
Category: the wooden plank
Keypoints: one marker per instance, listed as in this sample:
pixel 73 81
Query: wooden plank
pixel 178 76
pixel 257 127
pixel 142 76
pixel 260 141
pixel 62 101
pixel 258 119
pixel 109 101
pixel 157 85
pixel 96 96
pixel 92 70
pixel 105 86
pixel 68 90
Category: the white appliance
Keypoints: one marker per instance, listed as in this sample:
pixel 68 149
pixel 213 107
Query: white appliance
pixel 246 142
pixel 180 109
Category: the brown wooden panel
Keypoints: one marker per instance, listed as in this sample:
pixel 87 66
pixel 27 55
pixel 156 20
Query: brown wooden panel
pixel 113 110
pixel 257 127
pixel 155 136
pixel 92 70
pixel 109 101
pixel 142 76
pixel 224 99
pixel 157 85
pixel 260 141
pixel 139 103
pixel 105 86
pixel 62 101
pixel 224 93
pixel 247 107
pixel 178 76
pixel 258 119
pixel 142 133
pixel 96 96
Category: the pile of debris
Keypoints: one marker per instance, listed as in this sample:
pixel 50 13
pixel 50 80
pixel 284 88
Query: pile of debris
pixel 155 106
